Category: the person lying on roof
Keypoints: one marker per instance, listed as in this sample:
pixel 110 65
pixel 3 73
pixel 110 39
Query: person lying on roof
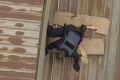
pixel 71 37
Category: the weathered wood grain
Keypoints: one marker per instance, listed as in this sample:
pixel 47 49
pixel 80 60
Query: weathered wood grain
pixel 74 75
pixel 17 65
pixel 92 70
pixel 117 77
pixel 100 67
pixel 20 24
pixel 83 72
pixel 16 58
pixel 18 49
pixel 10 78
pixel 18 32
pixel 19 19
pixel 19 15
pixel 42 40
pixel 113 39
pixel 48 70
pixel 26 2
pixel 56 69
pixel 66 69
pixel 17 74
pixel 18 41
pixel 11 7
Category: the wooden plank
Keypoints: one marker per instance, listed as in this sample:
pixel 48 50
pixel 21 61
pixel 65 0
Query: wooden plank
pixel 56 69
pixel 90 46
pixel 58 64
pixel 84 67
pixel 48 67
pixel 25 2
pixel 66 69
pixel 101 25
pixel 100 71
pixel 117 77
pixel 19 15
pixel 17 74
pixel 63 5
pixel 18 41
pixel 20 24
pixel 17 65
pixel 99 11
pixel 12 78
pixel 113 39
pixel 22 33
pixel 11 7
pixel 83 72
pixel 74 74
pixel 72 6
pixel 92 70
pixel 93 60
pixel 48 70
pixel 18 49
pixel 41 51
pixel 17 57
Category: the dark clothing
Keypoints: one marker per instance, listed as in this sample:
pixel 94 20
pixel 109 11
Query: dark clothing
pixel 61 32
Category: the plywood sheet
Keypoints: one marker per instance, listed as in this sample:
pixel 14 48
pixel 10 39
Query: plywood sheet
pixel 98 23
pixel 92 46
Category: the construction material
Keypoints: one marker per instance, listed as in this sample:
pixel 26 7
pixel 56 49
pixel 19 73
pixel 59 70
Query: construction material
pixel 101 25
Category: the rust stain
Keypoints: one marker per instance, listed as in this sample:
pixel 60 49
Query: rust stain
pixel 15 40
pixel 17 74
pixel 4 49
pixel 22 9
pixel 18 49
pixel 18 58
pixel 13 58
pixel 1 31
pixel 19 33
pixel 18 15
pixel 1 39
pixel 5 8
pixel 19 25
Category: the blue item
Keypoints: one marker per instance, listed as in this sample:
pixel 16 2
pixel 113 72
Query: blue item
pixel 70 43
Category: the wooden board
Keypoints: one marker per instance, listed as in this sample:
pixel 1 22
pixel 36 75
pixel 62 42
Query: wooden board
pixel 93 46
pixel 100 24
pixel 99 67
pixel 20 23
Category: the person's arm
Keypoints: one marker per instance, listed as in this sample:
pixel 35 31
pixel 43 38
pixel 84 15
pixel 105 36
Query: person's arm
pixel 55 32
